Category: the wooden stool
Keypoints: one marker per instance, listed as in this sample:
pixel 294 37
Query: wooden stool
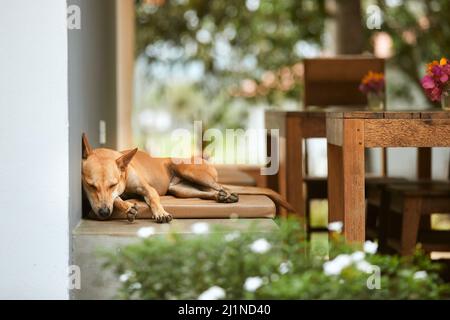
pixel 403 207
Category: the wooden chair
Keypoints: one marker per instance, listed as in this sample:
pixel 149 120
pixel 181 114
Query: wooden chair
pixel 405 215
pixel 334 82
pixel 235 175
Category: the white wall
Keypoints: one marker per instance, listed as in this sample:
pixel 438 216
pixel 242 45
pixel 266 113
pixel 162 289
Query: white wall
pixel 34 180
pixel 92 88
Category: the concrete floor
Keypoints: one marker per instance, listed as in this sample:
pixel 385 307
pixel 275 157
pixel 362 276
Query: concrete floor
pixel 90 237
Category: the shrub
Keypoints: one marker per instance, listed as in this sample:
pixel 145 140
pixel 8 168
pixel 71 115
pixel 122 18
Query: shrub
pixel 254 265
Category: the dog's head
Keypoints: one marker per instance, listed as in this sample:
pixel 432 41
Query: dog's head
pixel 104 174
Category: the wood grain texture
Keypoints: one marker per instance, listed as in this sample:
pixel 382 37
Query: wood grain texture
pixel 271 148
pixel 405 114
pixel 275 120
pixel 354 176
pixel 335 131
pixel 313 127
pixel 335 183
pixel 407 133
pixel 410 225
pixel 282 172
pixel 294 165
pixel 335 81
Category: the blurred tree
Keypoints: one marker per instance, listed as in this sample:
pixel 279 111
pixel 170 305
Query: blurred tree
pixel 420 31
pixel 233 39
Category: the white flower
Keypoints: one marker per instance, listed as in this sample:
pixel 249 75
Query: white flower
pixel 200 228
pixel 285 267
pixel 260 246
pixel 370 247
pixel 145 232
pixel 420 275
pixel 335 266
pixel 125 276
pixel 136 286
pixel 358 256
pixel 364 266
pixel 232 236
pixel 213 293
pixel 336 226
pixel 253 283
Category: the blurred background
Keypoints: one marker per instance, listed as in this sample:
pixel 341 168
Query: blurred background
pixel 224 62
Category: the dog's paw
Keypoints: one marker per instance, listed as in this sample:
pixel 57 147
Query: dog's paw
pixel 226 197
pixel 234 197
pixel 132 213
pixel 163 217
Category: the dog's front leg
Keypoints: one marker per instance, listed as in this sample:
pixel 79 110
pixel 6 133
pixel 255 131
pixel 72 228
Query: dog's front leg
pixel 152 198
pixel 127 207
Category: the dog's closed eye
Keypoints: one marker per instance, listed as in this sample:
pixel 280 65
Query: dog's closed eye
pixel 113 185
pixel 92 186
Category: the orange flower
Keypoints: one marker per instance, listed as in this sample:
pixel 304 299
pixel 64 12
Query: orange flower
pixel 372 76
pixel 372 82
pixel 431 65
pixel 443 62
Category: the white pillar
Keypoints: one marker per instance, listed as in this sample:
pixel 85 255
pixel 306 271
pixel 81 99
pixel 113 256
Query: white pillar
pixel 34 179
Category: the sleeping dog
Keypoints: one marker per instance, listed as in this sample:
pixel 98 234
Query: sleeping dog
pixel 108 174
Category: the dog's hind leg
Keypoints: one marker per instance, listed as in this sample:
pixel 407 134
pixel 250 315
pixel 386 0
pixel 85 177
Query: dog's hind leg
pixel 205 175
pixel 187 190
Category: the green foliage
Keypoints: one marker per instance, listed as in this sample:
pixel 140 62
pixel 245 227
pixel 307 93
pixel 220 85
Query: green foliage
pixel 183 267
pixel 268 34
pixel 420 31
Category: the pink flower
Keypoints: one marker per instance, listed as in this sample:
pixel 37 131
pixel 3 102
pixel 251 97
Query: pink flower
pixel 436 79
pixel 427 82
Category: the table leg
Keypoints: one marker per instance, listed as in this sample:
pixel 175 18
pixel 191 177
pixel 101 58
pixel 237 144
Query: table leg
pixel 346 181
pixel 271 148
pixel 294 166
pixel 424 163
pixel 424 173
pixel 335 183
pixel 282 173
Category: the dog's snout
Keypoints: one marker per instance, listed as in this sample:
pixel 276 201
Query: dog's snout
pixel 104 212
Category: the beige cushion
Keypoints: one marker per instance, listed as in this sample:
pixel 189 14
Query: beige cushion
pixel 249 206
pixel 234 177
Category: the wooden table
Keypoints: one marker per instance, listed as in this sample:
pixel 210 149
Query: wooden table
pixel 349 133
pixel 293 126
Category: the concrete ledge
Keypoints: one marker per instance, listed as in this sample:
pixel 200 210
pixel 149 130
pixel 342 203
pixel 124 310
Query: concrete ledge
pixel 126 229
pixel 90 236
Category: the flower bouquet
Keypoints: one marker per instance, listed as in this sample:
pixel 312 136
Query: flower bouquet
pixel 373 86
pixel 436 82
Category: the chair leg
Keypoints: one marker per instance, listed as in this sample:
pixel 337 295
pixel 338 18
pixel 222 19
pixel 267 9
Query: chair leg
pixel 410 225
pixel 308 218
pixel 383 220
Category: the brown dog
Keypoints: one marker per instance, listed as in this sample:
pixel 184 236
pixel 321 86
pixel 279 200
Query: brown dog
pixel 107 174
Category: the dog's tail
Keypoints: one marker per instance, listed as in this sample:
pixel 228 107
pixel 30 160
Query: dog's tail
pixel 277 198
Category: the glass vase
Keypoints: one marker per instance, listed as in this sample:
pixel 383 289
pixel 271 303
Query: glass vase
pixel 375 101
pixel 445 99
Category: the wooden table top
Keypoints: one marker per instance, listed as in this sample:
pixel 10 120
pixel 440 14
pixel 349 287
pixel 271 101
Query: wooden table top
pixel 311 111
pixel 360 113
pixel 366 114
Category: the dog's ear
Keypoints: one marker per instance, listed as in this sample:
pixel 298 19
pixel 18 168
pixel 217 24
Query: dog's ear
pixel 124 160
pixel 87 150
